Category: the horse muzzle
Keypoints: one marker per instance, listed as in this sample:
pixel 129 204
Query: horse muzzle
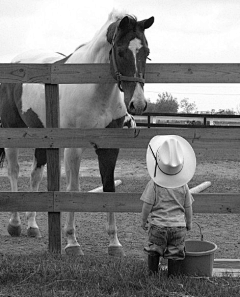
pixel 136 109
pixel 137 103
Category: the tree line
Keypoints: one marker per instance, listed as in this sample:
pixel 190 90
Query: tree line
pixel 166 103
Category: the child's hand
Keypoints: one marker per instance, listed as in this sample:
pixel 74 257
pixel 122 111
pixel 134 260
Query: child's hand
pixel 189 226
pixel 144 225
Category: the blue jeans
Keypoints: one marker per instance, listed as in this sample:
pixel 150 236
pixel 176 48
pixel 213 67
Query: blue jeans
pixel 169 242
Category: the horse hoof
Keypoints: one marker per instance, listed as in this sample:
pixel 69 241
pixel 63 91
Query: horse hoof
pixel 116 251
pixel 33 232
pixel 14 231
pixel 74 251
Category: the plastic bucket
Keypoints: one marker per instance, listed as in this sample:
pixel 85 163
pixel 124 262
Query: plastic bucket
pixel 198 260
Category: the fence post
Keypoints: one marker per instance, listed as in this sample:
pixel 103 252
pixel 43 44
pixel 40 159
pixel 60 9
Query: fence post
pixel 53 166
pixel 205 121
pixel 149 121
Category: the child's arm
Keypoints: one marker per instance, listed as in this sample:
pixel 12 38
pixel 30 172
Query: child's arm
pixel 146 209
pixel 188 216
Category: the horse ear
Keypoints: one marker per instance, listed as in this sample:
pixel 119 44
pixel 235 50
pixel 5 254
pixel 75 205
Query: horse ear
pixel 124 23
pixel 145 24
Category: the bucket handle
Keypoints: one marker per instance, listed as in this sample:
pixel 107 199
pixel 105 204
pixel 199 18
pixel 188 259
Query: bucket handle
pixel 201 235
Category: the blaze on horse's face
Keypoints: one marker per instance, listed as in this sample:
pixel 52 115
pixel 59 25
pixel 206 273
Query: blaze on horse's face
pixel 128 59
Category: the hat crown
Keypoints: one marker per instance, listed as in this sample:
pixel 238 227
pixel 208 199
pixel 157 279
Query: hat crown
pixel 170 157
pixel 171 161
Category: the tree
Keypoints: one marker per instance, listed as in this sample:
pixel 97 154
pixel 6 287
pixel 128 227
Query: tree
pixel 238 109
pixel 165 104
pixel 212 111
pixel 188 107
pixel 151 107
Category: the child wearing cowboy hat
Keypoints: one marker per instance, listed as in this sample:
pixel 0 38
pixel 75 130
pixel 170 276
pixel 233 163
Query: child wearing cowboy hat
pixel 171 164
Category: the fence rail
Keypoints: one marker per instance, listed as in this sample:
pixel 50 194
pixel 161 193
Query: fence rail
pixel 54 201
pixel 114 138
pixel 99 73
pixel 54 138
pixel 192 120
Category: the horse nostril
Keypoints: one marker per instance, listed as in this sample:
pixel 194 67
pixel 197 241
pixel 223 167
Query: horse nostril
pixel 131 106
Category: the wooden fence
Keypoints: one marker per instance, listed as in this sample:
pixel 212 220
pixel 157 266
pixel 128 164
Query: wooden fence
pixel 54 138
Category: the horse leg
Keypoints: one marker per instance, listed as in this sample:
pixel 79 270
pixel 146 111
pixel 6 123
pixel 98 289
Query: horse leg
pixel 107 160
pixel 40 159
pixel 72 159
pixel 14 226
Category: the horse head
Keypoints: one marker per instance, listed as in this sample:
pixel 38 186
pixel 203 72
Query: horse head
pixel 128 55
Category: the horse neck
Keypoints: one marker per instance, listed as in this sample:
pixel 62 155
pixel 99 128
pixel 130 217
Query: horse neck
pixel 95 51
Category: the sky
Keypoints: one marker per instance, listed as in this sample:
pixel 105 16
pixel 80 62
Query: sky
pixel 184 31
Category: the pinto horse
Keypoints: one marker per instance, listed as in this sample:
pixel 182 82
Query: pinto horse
pixel 121 42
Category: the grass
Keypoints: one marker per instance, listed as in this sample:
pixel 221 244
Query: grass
pixel 55 275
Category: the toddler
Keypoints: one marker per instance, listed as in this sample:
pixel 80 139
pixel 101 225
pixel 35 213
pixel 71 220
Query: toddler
pixel 171 164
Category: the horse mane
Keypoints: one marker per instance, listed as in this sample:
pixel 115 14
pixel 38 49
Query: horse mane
pixel 113 17
pixel 116 15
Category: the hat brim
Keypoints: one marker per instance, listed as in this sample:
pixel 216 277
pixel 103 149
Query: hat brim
pixel 171 181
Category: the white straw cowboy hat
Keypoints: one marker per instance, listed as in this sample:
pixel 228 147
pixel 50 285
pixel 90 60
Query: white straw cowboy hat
pixel 171 161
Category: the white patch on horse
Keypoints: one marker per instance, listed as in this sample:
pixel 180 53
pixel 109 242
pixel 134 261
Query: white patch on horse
pixel 135 45
pixel 33 95
pixel 129 121
pixel 138 93
pixel 29 94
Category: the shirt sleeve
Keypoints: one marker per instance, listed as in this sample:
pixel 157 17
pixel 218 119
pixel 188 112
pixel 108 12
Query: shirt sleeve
pixel 189 198
pixel 149 193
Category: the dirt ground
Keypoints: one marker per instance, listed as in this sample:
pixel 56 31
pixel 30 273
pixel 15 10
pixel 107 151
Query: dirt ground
pixel 218 167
